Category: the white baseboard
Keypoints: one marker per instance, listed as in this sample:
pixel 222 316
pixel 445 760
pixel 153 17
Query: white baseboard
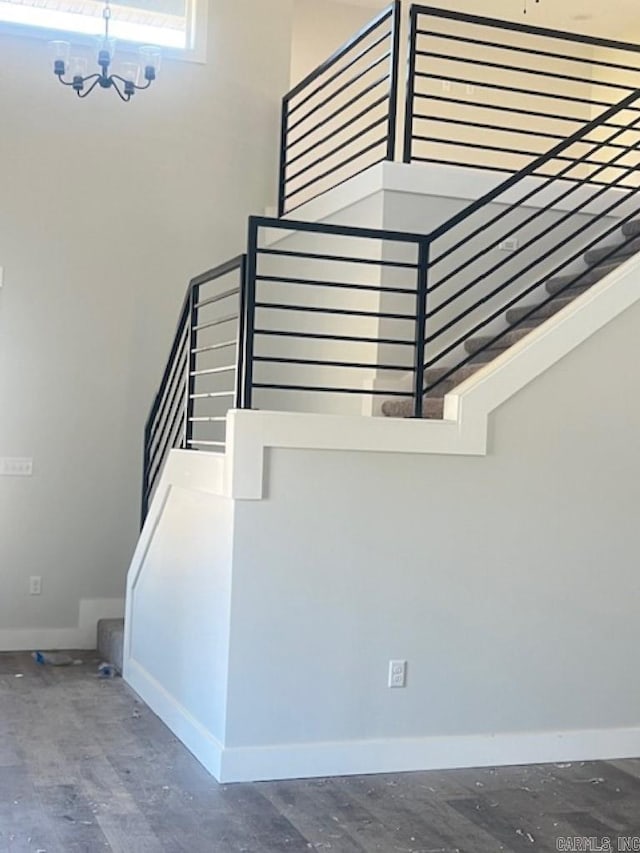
pixel 347 758
pixel 204 746
pixel 82 636
pixel 392 755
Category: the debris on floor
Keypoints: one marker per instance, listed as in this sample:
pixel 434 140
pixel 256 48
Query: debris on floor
pixel 54 659
pixel 107 670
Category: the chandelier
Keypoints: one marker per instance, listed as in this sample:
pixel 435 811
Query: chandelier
pixel 125 84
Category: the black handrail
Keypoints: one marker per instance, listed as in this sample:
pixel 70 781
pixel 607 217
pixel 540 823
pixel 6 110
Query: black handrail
pixel 344 81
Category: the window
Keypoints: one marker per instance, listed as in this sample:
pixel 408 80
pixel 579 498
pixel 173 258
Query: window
pixel 168 23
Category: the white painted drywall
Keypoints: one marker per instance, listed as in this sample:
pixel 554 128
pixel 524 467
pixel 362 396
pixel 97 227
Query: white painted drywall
pixel 508 582
pixel 107 209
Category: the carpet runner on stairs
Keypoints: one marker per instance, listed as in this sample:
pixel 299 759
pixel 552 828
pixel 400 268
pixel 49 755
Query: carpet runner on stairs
pixel 522 320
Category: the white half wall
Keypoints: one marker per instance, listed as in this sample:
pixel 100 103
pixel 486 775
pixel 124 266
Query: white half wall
pixel 508 582
pixel 497 555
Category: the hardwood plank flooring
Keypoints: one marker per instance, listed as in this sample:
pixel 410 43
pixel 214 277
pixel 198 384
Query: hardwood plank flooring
pixel 85 767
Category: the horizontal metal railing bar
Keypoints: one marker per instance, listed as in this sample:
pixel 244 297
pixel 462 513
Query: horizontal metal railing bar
pixel 472 164
pixel 339 91
pixel 211 394
pixel 213 347
pixel 326 389
pixel 342 51
pixel 169 442
pixel 335 132
pixel 178 366
pixel 461 291
pixel 209 371
pixel 532 167
pixel 591 61
pixel 528 29
pixel 211 300
pixel 180 327
pixel 535 308
pixel 531 218
pixel 309 95
pixel 505 109
pixel 310 282
pixel 340 110
pixel 332 230
pixel 210 324
pixel 535 72
pixel 488 296
pixel 501 87
pixel 418 137
pixel 338 183
pixel 381 141
pixel 165 426
pixel 347 312
pixel 520 152
pixel 352 339
pixel 346 259
pixel 311 362
pixel 217 272
pixel 355 138
pixel 505 307
pixel 529 195
pixel 204 419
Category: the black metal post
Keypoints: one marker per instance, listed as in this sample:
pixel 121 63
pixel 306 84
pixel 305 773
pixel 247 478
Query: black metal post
pixel 411 86
pixel 194 298
pixel 282 178
pixel 240 346
pixel 393 80
pixel 421 324
pixel 250 310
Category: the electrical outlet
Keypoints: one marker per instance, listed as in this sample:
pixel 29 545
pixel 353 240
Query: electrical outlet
pixel 509 245
pixel 397 673
pixel 446 85
pixel 35 585
pixel 470 89
pixel 1 276
pixel 16 467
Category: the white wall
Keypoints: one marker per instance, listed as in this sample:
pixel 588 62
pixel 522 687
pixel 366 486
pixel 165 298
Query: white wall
pixel 320 27
pixel 107 209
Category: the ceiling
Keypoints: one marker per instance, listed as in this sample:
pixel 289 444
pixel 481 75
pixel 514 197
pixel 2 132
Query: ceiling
pixel 609 18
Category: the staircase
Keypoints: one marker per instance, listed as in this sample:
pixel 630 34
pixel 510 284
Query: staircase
pixel 521 322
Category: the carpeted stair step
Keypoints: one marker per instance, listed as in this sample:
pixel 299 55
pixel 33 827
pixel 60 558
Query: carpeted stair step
pixel 403 408
pixel 474 345
pixel 583 282
pixel 516 315
pixel 631 229
pixel 432 407
pixel 622 253
pixel 111 641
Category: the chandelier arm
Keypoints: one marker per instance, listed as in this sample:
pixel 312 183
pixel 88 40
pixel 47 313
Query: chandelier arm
pixel 135 85
pixel 91 87
pixel 64 82
pixel 122 97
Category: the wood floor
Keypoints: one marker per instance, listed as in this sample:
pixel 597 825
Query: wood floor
pixel 85 767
